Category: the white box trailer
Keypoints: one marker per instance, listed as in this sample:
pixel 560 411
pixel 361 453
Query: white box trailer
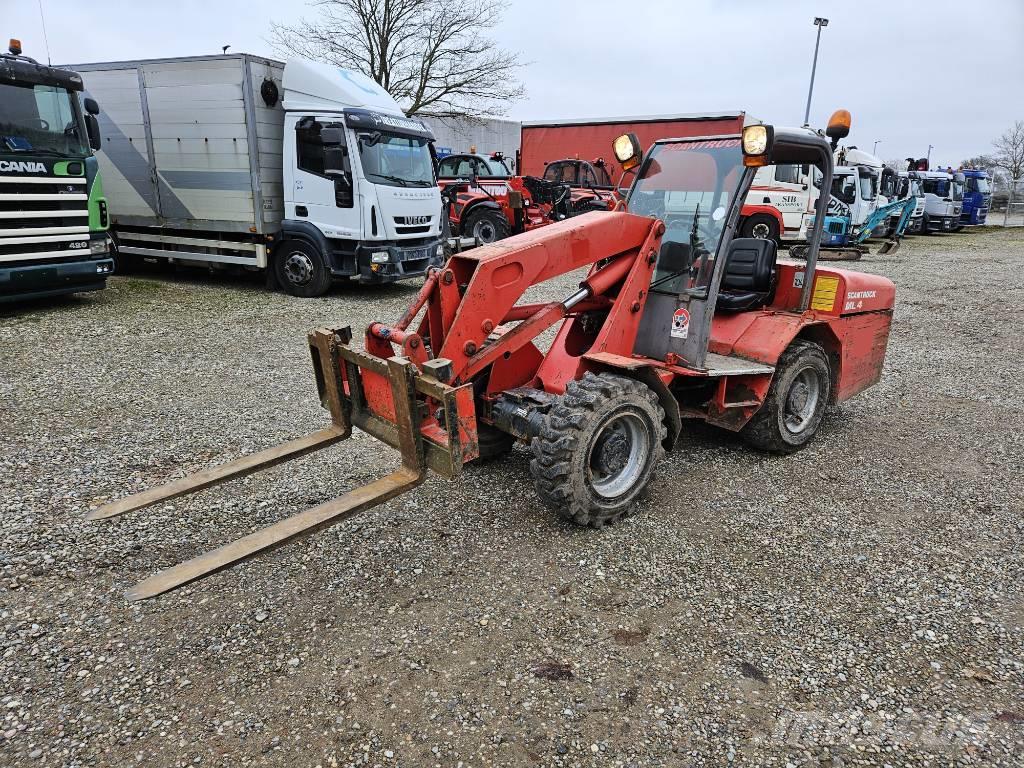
pixel 226 160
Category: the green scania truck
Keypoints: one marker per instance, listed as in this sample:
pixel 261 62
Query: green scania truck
pixel 53 216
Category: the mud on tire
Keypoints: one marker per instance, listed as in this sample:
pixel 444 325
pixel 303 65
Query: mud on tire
pixel 598 448
pixel 797 398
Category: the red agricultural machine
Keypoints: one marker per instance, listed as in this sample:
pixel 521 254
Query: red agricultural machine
pixel 487 202
pixel 678 318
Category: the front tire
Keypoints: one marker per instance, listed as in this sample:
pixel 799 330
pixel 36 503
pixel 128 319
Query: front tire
pixel 796 402
pixel 598 448
pixel 301 270
pixel 762 226
pixel 487 226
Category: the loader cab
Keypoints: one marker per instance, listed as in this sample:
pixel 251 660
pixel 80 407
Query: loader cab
pixel 696 187
pixel 578 173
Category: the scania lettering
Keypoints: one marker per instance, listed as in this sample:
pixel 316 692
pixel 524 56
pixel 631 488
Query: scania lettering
pixel 307 170
pixel 53 216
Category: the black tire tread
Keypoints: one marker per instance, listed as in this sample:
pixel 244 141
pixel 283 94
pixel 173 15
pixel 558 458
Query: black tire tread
pixel 565 424
pixel 761 431
pixel 497 218
pixel 321 282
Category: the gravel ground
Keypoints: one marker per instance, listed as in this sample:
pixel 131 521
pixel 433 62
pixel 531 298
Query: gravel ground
pixel 860 603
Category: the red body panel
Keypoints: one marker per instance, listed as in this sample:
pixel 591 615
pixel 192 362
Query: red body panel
pixel 553 141
pixel 850 316
pixel 469 316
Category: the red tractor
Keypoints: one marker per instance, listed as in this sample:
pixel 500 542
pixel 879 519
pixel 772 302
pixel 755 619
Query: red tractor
pixel 678 318
pixel 489 203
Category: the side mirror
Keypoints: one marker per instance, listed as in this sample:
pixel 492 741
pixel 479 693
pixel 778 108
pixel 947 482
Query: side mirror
pixel 336 163
pixel 92 128
pixel 91 106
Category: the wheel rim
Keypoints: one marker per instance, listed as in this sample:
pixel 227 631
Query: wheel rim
pixel 761 231
pixel 485 231
pixel 298 268
pixel 802 401
pixel 618 455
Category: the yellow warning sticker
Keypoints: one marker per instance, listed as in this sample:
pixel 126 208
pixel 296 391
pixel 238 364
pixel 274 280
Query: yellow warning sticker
pixel 824 297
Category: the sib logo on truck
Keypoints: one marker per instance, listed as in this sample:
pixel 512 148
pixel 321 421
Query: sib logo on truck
pixel 22 166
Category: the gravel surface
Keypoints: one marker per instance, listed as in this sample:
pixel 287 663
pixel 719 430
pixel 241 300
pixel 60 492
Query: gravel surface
pixel 859 603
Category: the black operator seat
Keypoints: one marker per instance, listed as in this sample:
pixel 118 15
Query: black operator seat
pixel 749 279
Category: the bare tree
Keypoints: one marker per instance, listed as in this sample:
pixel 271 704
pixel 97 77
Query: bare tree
pixel 982 161
pixel 431 55
pixel 1010 150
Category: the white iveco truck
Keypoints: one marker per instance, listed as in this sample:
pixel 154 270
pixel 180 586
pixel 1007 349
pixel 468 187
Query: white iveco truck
pixel 311 171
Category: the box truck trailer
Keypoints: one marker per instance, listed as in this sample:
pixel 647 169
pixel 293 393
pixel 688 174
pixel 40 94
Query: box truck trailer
pixel 53 215
pixel 307 170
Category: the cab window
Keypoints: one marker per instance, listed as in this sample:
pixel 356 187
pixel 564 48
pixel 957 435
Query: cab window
pixel 787 174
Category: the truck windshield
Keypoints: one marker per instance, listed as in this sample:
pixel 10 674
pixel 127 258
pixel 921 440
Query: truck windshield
pixel 395 160
pixel 690 186
pixel 40 119
pixel 868 184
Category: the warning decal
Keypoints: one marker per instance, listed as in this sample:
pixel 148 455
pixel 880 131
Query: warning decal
pixel 825 289
pixel 681 324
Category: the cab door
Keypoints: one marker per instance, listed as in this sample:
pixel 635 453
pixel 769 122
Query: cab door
pixel 326 202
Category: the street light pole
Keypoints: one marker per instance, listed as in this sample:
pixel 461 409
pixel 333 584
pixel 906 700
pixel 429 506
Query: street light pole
pixel 928 159
pixel 819 22
pixel 874 149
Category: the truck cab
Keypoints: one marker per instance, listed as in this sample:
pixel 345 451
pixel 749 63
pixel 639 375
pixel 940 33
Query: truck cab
pixel 358 181
pixel 909 185
pixel 943 200
pixel 977 197
pixel 869 178
pixel 53 216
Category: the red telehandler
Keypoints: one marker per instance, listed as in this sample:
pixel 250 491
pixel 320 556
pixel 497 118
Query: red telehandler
pixel 487 202
pixel 678 318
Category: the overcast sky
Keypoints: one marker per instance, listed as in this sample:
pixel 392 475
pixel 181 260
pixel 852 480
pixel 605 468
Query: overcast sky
pixel 943 72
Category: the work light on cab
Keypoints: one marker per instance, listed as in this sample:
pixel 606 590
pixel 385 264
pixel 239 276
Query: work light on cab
pixel 757 143
pixel 627 150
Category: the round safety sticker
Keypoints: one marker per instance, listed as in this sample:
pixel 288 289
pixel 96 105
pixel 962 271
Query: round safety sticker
pixel 681 323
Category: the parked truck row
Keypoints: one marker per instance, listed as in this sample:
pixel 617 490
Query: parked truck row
pixel 313 174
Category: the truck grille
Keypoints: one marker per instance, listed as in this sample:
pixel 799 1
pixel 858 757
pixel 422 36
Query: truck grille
pixel 43 217
pixel 412 225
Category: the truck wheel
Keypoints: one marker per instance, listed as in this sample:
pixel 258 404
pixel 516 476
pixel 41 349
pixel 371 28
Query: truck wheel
pixel 762 226
pixel 301 270
pixel 597 449
pixel 796 401
pixel 487 226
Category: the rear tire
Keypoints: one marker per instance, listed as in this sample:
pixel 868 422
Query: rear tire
pixel 301 269
pixel 796 402
pixel 598 448
pixel 487 225
pixel 762 226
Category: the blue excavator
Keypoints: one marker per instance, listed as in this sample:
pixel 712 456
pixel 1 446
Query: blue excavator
pixel 841 242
